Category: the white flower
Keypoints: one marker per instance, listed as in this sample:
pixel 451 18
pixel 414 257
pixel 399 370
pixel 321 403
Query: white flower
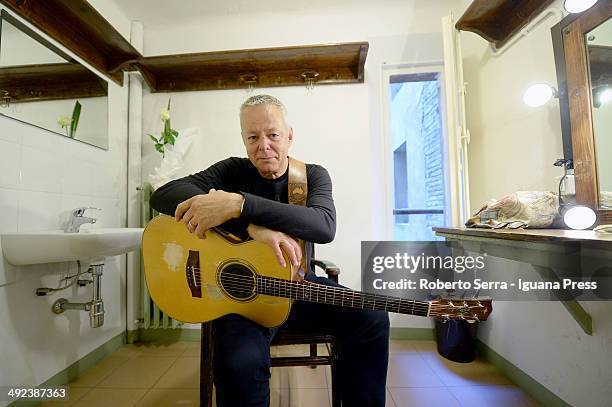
pixel 64 121
pixel 164 114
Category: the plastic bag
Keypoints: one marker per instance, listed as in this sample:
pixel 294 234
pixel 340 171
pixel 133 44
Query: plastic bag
pixel 522 209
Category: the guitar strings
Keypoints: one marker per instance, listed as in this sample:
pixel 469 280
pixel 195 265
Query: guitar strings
pixel 435 310
pixel 245 282
pixel 291 289
pixel 298 291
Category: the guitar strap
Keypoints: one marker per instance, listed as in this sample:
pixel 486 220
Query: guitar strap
pixel 297 194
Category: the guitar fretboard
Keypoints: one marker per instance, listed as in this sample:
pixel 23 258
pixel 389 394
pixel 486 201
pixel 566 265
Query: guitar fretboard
pixel 342 297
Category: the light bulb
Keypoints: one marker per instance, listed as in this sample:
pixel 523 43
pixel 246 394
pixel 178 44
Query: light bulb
pixel 538 94
pixel 578 6
pixel 605 96
pixel 579 217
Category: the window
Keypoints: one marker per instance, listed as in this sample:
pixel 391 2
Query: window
pixel 414 114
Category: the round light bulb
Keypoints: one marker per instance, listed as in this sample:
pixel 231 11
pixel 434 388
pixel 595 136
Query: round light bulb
pixel 605 96
pixel 579 217
pixel 538 94
pixel 578 6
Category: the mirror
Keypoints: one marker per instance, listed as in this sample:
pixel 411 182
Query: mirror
pixel 586 68
pixel 42 86
pixel 599 55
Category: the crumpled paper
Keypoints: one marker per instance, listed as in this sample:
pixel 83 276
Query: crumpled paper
pixel 173 160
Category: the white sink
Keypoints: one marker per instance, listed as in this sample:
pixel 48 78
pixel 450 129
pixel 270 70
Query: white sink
pixel 56 246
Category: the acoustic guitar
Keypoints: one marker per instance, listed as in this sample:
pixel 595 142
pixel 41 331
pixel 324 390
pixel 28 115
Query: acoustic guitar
pixel 198 280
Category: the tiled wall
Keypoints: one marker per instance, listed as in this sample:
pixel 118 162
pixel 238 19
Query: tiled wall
pixel 42 176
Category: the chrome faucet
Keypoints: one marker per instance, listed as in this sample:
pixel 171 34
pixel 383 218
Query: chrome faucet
pixel 77 219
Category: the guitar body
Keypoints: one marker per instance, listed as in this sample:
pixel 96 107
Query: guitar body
pixel 198 280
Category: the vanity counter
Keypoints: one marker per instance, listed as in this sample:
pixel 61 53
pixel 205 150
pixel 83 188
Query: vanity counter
pixel 586 237
pixel 546 250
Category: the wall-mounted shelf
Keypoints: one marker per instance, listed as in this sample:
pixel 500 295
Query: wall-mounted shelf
pixel 80 28
pixel 29 83
pixel 264 67
pixel 546 250
pixel 498 20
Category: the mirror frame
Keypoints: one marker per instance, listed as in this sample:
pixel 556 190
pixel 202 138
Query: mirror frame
pixel 580 103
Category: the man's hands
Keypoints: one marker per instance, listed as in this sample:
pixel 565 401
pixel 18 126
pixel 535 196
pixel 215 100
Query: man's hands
pixel 280 242
pixel 202 212
pixel 205 211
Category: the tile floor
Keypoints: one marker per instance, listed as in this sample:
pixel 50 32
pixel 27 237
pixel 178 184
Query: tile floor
pixel 167 375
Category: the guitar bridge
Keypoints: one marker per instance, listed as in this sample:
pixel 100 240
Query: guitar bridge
pixel 192 273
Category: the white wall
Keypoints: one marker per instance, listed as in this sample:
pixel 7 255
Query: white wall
pixel 513 148
pixel 512 145
pixel 339 126
pixel 42 175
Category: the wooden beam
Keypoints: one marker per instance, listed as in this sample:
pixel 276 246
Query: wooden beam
pixel 271 67
pixel 80 28
pixel 498 20
pixel 29 83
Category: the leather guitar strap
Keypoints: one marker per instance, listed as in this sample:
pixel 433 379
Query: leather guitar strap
pixel 297 194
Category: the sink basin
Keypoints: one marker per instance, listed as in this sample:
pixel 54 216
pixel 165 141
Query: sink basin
pixel 56 246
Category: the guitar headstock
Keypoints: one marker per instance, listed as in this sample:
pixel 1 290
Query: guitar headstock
pixel 468 309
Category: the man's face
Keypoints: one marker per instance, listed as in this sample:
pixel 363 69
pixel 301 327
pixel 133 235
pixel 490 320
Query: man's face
pixel 267 139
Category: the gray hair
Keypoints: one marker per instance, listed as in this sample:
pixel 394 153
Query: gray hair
pixel 264 100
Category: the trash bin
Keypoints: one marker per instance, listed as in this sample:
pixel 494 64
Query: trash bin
pixel 456 339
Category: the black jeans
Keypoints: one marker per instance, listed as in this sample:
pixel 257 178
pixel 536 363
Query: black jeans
pixel 241 361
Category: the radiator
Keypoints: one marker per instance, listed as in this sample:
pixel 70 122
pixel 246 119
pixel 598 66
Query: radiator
pixel 153 317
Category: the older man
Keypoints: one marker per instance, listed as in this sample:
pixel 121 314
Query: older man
pixel 249 198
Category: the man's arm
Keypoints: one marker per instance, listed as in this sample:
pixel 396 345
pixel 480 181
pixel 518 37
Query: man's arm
pixel 314 223
pixel 168 197
pixel 218 176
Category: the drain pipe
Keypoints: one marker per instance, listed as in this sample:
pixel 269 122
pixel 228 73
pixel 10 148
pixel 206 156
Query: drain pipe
pixel 95 306
pixel 133 293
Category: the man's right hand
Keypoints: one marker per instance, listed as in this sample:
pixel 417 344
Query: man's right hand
pixel 279 242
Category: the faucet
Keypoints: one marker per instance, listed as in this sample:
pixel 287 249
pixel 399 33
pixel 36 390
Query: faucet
pixel 77 219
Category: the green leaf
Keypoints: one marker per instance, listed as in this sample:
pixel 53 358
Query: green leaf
pixel 169 139
pixel 76 114
pixel 159 148
pixel 155 140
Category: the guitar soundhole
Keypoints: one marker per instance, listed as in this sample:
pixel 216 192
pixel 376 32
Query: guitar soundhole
pixel 238 281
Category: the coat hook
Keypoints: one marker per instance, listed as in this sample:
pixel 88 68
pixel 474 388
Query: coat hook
pixel 249 79
pixel 5 99
pixel 310 77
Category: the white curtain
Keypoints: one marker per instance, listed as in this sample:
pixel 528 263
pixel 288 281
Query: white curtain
pixel 458 136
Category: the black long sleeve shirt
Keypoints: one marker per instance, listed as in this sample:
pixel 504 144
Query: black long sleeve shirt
pixel 265 200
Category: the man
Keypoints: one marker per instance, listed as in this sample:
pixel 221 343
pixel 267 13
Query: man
pixel 249 197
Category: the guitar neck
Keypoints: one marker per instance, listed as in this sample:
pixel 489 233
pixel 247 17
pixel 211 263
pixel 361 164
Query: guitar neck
pixel 339 296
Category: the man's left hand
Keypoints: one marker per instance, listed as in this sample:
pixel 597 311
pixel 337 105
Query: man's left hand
pixel 202 212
